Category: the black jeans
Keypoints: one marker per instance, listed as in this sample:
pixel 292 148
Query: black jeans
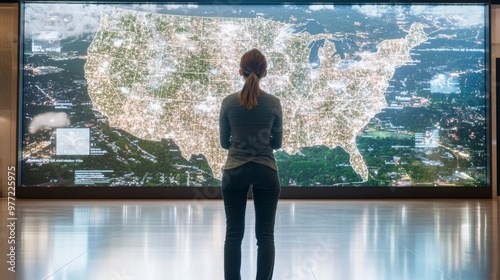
pixel 266 191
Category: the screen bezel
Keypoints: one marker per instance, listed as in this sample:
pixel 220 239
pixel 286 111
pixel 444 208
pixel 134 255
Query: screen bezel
pixel 288 191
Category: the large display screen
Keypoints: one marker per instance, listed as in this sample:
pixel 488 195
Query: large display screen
pixel 129 94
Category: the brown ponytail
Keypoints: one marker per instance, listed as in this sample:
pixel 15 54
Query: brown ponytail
pixel 253 65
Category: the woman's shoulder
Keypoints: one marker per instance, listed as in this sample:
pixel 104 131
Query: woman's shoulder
pixel 230 98
pixel 270 96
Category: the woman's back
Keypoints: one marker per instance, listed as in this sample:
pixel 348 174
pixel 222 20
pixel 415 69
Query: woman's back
pixel 251 135
pixel 250 124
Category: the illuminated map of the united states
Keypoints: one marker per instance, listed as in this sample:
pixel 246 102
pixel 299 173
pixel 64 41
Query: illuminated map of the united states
pixel 164 76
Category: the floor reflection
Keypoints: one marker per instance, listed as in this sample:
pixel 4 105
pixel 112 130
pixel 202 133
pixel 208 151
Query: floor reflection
pixel 315 239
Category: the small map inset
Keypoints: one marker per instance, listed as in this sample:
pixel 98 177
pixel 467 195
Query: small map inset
pixel 445 83
pixel 72 141
pixel 428 139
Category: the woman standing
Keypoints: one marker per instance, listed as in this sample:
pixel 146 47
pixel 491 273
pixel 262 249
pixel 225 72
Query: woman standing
pixel 250 125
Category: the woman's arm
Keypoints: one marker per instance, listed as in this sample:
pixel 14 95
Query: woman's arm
pixel 277 129
pixel 224 128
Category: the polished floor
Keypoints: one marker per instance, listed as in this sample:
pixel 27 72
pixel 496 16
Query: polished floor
pixel 315 240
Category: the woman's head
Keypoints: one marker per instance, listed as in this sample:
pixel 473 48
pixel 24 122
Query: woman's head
pixel 253 67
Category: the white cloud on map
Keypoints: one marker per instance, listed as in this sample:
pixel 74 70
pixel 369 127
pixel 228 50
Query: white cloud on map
pixel 74 20
pixel 464 15
pixel 321 7
pixel 71 20
pixel 176 6
pixel 48 121
pixel 374 10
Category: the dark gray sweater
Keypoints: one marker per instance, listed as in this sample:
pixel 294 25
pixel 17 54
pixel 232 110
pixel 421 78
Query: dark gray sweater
pixel 251 135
